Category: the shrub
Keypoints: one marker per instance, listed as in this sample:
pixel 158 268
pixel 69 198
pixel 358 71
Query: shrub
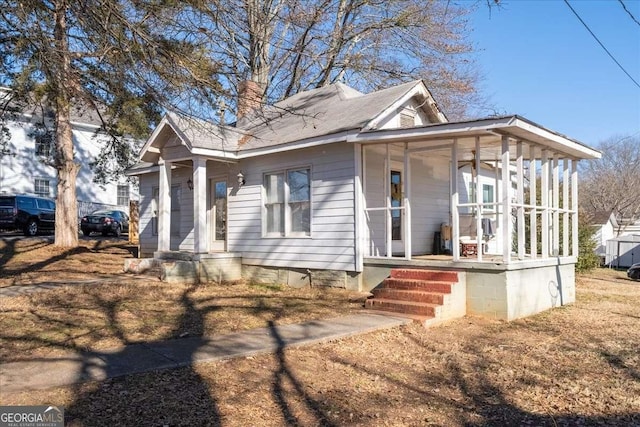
pixel 587 257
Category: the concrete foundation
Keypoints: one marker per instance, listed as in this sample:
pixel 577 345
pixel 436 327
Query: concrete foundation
pixel 182 267
pixel 299 278
pixel 498 291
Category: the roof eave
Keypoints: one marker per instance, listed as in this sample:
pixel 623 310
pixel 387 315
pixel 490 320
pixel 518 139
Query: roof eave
pixel 514 126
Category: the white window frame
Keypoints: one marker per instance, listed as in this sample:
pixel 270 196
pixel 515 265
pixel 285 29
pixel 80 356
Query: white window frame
pixel 473 198
pixel 119 196
pixel 37 181
pixel 287 233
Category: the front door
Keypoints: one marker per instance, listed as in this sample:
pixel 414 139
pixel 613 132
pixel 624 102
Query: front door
pixel 218 214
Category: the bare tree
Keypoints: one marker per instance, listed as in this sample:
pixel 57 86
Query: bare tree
pixel 612 184
pixel 124 60
pixel 294 45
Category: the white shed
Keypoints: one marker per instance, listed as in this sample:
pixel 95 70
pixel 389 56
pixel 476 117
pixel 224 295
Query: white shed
pixel 623 251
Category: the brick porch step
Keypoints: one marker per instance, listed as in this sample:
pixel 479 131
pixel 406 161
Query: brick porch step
pixel 416 274
pixel 424 295
pixel 417 285
pixel 409 295
pixel 403 307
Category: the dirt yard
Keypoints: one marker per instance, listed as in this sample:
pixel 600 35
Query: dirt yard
pixel 576 365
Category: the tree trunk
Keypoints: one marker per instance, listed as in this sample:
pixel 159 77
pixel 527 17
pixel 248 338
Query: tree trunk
pixel 66 204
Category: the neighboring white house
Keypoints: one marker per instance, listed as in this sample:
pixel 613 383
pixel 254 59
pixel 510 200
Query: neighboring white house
pixel 605 228
pixel 343 185
pixel 24 168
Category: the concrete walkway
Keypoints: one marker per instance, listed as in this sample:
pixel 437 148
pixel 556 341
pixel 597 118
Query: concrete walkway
pixel 136 358
pixel 27 288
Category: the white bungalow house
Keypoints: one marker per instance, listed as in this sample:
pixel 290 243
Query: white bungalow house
pixel 25 165
pixel 333 186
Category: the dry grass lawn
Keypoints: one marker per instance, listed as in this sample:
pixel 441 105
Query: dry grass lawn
pixel 27 261
pixel 575 365
pixel 111 315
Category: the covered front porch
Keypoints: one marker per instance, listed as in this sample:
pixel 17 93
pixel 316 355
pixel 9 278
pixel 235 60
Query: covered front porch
pixel 496 191
pixel 494 203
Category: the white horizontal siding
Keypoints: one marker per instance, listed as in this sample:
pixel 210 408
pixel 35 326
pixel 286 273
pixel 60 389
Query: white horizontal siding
pixel 430 205
pixel 331 245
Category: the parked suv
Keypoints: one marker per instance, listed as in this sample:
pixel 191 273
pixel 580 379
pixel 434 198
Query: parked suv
pixel 31 214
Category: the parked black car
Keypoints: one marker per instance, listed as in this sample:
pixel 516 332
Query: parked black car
pixel 31 214
pixel 634 271
pixel 105 221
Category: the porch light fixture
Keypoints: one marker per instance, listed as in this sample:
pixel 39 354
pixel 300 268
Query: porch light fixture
pixel 240 179
pixel 190 184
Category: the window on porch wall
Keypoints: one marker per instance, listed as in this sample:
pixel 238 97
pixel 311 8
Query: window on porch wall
pixel 488 192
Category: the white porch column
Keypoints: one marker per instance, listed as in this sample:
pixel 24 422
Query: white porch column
pixel 359 207
pixel 479 201
pixel 565 207
pixel 387 185
pixel 164 206
pixel 199 205
pixel 533 201
pixel 574 207
pixel 556 205
pixel 544 192
pixel 455 218
pixel 520 198
pixel 407 202
pixel 506 201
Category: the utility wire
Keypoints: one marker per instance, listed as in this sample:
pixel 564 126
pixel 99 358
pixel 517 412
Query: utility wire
pixel 600 43
pixel 624 6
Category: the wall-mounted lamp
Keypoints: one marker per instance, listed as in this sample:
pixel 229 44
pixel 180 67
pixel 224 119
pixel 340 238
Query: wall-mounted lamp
pixel 190 184
pixel 240 179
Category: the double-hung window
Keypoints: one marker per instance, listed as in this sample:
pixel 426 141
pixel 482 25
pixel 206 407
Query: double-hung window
pixel 41 187
pixel 123 195
pixel 287 203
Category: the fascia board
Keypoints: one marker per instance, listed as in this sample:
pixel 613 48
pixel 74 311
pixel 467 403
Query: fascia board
pixel 153 136
pixel 392 108
pixel 419 88
pixel 218 154
pixel 460 129
pixel 142 171
pixel 307 143
pixel 580 150
pixel 186 141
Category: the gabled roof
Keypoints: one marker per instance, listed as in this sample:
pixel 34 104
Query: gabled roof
pixel 338 113
pixel 602 217
pixel 193 133
pixel 324 111
pixel 328 110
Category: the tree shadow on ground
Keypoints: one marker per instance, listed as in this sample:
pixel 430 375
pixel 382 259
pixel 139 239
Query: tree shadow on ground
pixel 181 394
pixel 10 249
pixel 282 395
pixel 485 402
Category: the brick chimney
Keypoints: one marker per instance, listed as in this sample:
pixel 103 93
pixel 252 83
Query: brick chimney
pixel 249 97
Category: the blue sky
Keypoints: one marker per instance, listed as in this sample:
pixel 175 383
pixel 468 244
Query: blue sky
pixel 539 61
